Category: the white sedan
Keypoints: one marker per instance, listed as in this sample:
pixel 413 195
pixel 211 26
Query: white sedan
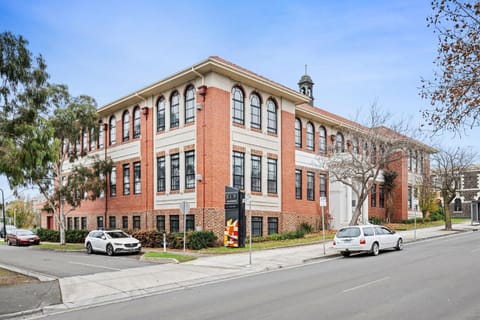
pixel 111 242
pixel 366 238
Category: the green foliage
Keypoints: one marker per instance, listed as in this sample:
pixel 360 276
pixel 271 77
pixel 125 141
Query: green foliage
pixel 438 215
pixel 305 227
pixel 148 238
pixel 48 235
pixel 375 220
pixel 71 236
pixel 281 236
pixel 76 236
pixel 196 240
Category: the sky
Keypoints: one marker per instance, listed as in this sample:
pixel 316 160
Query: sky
pixel 358 53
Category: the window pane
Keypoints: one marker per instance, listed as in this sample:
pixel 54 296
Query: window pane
pixel 272 225
pixel 238 106
pixel 175 172
pixel 161 223
pixel 190 170
pixel 310 186
pixel 310 136
pixel 126 126
pixel 160 174
pixel 257 226
pixel 298 184
pixel 161 114
pixel 126 179
pixel 174 110
pixel 298 133
pixel 137 177
pixel 113 131
pixel 272 176
pixel 238 170
pixel 256 174
pixel 174 223
pixel 113 182
pixel 256 112
pixel 323 140
pixel 136 123
pixel 190 105
pixel 272 116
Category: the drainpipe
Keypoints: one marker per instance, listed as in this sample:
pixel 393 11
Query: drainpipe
pixel 203 93
pixel 144 110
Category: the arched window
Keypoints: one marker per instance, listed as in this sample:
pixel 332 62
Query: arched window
pixel 255 112
pixel 373 154
pixel 174 110
pixel 355 146
pixel 126 126
pixel 415 163
pixel 190 104
pixel 457 205
pixel 238 106
pixel 365 150
pixel 339 143
pixel 136 123
pixel 100 136
pixel 322 132
pixel 410 160
pixel 271 116
pixel 298 133
pixel 91 138
pixel 161 114
pixel 310 136
pixel 113 131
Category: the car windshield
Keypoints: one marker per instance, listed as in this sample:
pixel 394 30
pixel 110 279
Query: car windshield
pixel 24 233
pixel 348 232
pixel 117 234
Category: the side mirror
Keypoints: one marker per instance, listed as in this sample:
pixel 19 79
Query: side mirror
pixel 104 238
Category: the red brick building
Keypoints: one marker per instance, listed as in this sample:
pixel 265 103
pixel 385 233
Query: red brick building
pixel 213 125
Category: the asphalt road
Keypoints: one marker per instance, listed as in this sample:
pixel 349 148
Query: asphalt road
pixel 63 264
pixel 435 279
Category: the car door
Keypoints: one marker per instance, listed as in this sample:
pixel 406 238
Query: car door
pixel 381 237
pixel 390 238
pixel 97 241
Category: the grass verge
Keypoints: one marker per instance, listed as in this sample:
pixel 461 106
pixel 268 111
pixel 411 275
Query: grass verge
pixel 64 247
pixel 168 255
pixel 8 277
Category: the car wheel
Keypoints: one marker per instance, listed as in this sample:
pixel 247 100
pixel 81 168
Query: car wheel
pixel 89 248
pixel 399 244
pixel 375 249
pixel 110 251
pixel 345 253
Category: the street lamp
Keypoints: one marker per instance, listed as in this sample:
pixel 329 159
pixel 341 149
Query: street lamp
pixel 3 212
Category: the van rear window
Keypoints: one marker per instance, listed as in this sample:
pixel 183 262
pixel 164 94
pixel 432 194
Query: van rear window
pixel 348 232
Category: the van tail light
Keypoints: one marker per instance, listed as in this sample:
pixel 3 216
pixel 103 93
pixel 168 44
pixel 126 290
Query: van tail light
pixel 334 243
pixel 362 241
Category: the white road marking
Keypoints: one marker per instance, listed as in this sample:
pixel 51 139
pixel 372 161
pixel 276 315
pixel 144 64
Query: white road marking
pixel 475 250
pixel 365 284
pixel 93 265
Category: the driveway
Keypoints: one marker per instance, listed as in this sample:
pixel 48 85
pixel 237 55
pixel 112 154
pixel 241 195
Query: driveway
pixel 59 264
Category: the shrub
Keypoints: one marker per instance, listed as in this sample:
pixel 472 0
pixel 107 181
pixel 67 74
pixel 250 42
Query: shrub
pixel 306 227
pixel 48 235
pixel 375 220
pixel 148 238
pixel 196 240
pixel 75 236
pixel 437 215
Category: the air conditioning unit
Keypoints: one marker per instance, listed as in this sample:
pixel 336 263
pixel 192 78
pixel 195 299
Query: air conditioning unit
pixel 199 106
pixel 198 177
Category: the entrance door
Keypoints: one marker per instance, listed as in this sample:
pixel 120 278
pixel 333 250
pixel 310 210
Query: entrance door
pixel 50 222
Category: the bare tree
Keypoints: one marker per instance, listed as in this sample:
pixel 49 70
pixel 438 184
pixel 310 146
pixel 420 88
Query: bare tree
pixel 454 93
pixel 449 165
pixel 370 150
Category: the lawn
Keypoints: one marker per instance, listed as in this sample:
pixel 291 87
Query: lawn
pixel 168 255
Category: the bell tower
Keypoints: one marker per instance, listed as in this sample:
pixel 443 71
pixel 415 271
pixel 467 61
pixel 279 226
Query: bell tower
pixel 305 86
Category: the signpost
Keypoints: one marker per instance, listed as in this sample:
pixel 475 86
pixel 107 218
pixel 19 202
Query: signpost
pixel 415 205
pixel 323 204
pixel 184 208
pixel 248 198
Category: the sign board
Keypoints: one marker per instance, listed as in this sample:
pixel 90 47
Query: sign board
pixel 184 207
pixel 235 224
pixel 323 201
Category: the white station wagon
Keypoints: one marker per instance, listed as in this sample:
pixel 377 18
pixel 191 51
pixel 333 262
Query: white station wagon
pixel 366 238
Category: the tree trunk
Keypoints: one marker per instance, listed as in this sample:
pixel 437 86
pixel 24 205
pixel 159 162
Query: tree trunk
pixel 448 218
pixel 62 224
pixel 356 215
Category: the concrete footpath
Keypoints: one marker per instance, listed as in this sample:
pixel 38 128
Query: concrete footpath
pixel 105 287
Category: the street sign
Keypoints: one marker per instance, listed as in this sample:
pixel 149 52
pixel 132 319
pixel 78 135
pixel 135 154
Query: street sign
pixel 184 207
pixel 323 201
